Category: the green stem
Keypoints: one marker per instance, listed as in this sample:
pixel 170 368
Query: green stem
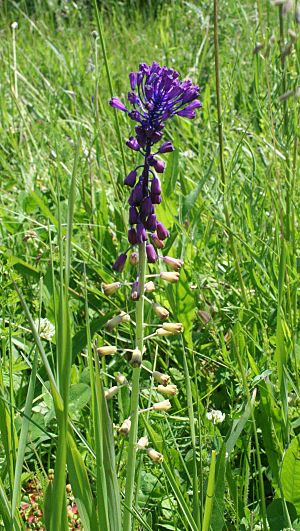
pixel 221 154
pixel 110 85
pixel 256 441
pixel 210 492
pixel 196 501
pixel 129 487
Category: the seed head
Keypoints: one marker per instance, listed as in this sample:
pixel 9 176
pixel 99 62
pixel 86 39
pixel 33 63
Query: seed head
pixel 110 289
pixel 160 311
pixel 163 333
pixel 155 456
pixel 170 390
pixel 121 379
pixel 149 287
pixel 142 443
pixel 163 379
pixel 170 276
pixel 125 428
pixel 111 392
pixel 165 405
pixel 116 320
pixel 125 317
pixel 106 350
pixel 136 358
pixel 173 263
pixel 175 328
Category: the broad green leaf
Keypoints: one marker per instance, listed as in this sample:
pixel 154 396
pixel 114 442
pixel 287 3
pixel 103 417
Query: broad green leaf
pixel 290 474
pixel 277 519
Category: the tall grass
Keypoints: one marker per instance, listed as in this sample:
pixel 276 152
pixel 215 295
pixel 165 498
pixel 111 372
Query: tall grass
pixel 231 201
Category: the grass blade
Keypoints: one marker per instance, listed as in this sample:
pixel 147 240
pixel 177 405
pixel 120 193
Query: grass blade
pixel 23 436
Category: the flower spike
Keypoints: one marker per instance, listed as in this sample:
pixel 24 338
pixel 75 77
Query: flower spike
pixel 156 95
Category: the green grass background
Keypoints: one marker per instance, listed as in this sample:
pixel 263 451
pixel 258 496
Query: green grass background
pixel 231 346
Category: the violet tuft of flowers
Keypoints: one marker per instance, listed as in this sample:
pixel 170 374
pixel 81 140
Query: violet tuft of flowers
pixel 156 95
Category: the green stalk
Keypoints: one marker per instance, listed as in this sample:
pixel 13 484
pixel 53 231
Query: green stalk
pixel 257 448
pixel 111 91
pixel 210 492
pixel 221 155
pixel 129 487
pixel 285 304
pixel 196 501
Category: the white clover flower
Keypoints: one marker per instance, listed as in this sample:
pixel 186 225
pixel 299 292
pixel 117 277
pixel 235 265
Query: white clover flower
pixel 216 416
pixel 45 328
pixel 189 154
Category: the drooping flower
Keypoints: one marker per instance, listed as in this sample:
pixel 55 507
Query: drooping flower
pixel 156 95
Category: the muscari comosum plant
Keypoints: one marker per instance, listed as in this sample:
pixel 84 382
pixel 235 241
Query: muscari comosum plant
pixel 156 95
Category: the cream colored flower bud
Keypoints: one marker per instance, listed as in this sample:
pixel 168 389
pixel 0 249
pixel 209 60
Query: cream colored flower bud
pixel 116 320
pixel 170 276
pixel 160 311
pixel 121 379
pixel 170 390
pixel 162 332
pixel 149 287
pixel 110 289
pixel 161 378
pixel 125 317
pixel 125 428
pixel 112 323
pixel 175 328
pixel 111 392
pixel 155 456
pixel 14 25
pixel 173 263
pixel 106 350
pixel 165 405
pixel 136 358
pixel 142 443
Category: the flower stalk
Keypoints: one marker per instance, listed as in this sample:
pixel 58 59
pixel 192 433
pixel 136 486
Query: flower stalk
pixel 129 487
pixel 156 95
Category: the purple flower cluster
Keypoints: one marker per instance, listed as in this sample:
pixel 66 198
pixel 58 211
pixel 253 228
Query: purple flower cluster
pixel 156 95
